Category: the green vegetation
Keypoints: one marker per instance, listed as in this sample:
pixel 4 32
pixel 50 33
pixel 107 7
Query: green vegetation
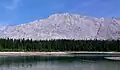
pixel 59 45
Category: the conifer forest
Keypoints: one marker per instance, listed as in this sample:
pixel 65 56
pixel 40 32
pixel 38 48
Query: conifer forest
pixel 23 45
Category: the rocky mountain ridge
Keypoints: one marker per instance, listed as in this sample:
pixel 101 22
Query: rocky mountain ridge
pixel 65 26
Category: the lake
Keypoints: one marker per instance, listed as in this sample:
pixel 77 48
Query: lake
pixel 57 63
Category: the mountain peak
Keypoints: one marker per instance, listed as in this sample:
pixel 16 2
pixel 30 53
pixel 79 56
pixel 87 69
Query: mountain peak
pixel 65 15
pixel 65 26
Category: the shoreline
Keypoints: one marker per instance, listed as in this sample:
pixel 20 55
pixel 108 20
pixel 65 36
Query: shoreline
pixel 33 53
pixel 82 53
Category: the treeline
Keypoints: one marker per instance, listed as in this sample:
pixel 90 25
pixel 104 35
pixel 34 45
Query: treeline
pixel 59 45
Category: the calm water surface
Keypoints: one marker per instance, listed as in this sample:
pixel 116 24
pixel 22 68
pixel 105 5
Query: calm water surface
pixel 57 63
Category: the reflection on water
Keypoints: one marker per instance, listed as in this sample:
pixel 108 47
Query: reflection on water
pixel 57 63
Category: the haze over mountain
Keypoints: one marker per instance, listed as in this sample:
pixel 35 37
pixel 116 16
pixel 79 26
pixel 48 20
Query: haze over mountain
pixel 65 26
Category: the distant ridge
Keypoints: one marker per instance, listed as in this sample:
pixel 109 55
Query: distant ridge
pixel 65 26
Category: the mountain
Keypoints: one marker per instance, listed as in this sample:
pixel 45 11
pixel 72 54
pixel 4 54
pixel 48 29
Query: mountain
pixel 65 26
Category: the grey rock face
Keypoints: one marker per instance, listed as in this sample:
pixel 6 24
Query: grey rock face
pixel 65 26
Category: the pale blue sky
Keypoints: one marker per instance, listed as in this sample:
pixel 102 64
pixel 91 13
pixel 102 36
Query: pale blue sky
pixel 13 12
